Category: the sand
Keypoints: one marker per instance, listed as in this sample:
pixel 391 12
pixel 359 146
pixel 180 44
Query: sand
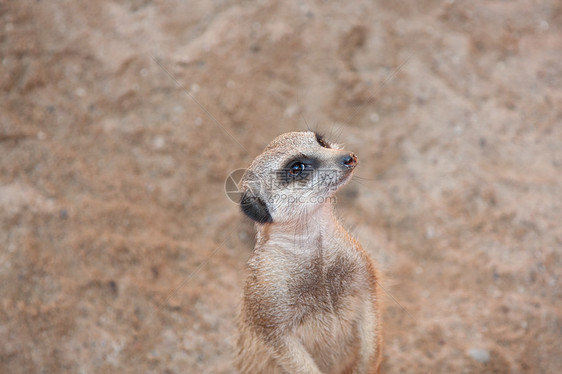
pixel 120 121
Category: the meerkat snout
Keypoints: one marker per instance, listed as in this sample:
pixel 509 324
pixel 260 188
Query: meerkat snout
pixel 350 160
pixel 311 299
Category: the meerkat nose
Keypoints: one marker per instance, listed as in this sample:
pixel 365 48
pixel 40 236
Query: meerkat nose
pixel 350 160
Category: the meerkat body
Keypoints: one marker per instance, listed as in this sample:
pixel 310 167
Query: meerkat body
pixel 311 302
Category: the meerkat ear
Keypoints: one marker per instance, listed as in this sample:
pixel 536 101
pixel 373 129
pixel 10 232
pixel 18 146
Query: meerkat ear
pixel 255 208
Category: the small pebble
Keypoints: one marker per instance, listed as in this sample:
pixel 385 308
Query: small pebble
pixel 430 232
pixel 291 110
pixel 159 142
pixel 479 354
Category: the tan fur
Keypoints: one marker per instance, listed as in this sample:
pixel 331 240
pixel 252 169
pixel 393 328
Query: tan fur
pixel 311 299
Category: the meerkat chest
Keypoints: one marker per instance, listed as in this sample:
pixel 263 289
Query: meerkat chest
pixel 310 283
pixel 323 283
pixel 327 310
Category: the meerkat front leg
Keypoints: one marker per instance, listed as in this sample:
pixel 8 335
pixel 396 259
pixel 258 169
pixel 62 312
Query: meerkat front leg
pixel 294 358
pixel 367 327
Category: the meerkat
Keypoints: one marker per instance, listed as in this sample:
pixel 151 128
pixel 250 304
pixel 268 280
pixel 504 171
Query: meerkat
pixel 311 299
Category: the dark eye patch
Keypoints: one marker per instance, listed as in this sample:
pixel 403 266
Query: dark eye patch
pixel 297 169
pixel 320 139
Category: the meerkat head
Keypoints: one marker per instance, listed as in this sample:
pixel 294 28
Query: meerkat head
pixel 296 173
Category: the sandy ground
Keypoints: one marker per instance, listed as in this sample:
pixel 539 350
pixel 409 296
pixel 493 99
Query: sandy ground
pixel 120 120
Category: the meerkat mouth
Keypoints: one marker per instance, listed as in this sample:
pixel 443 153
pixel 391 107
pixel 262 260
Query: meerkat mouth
pixel 332 183
pixel 346 177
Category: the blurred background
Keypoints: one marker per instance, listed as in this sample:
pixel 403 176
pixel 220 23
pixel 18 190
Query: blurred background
pixel 120 121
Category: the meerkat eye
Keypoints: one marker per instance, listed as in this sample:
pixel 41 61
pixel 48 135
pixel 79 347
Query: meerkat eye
pixel 297 168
